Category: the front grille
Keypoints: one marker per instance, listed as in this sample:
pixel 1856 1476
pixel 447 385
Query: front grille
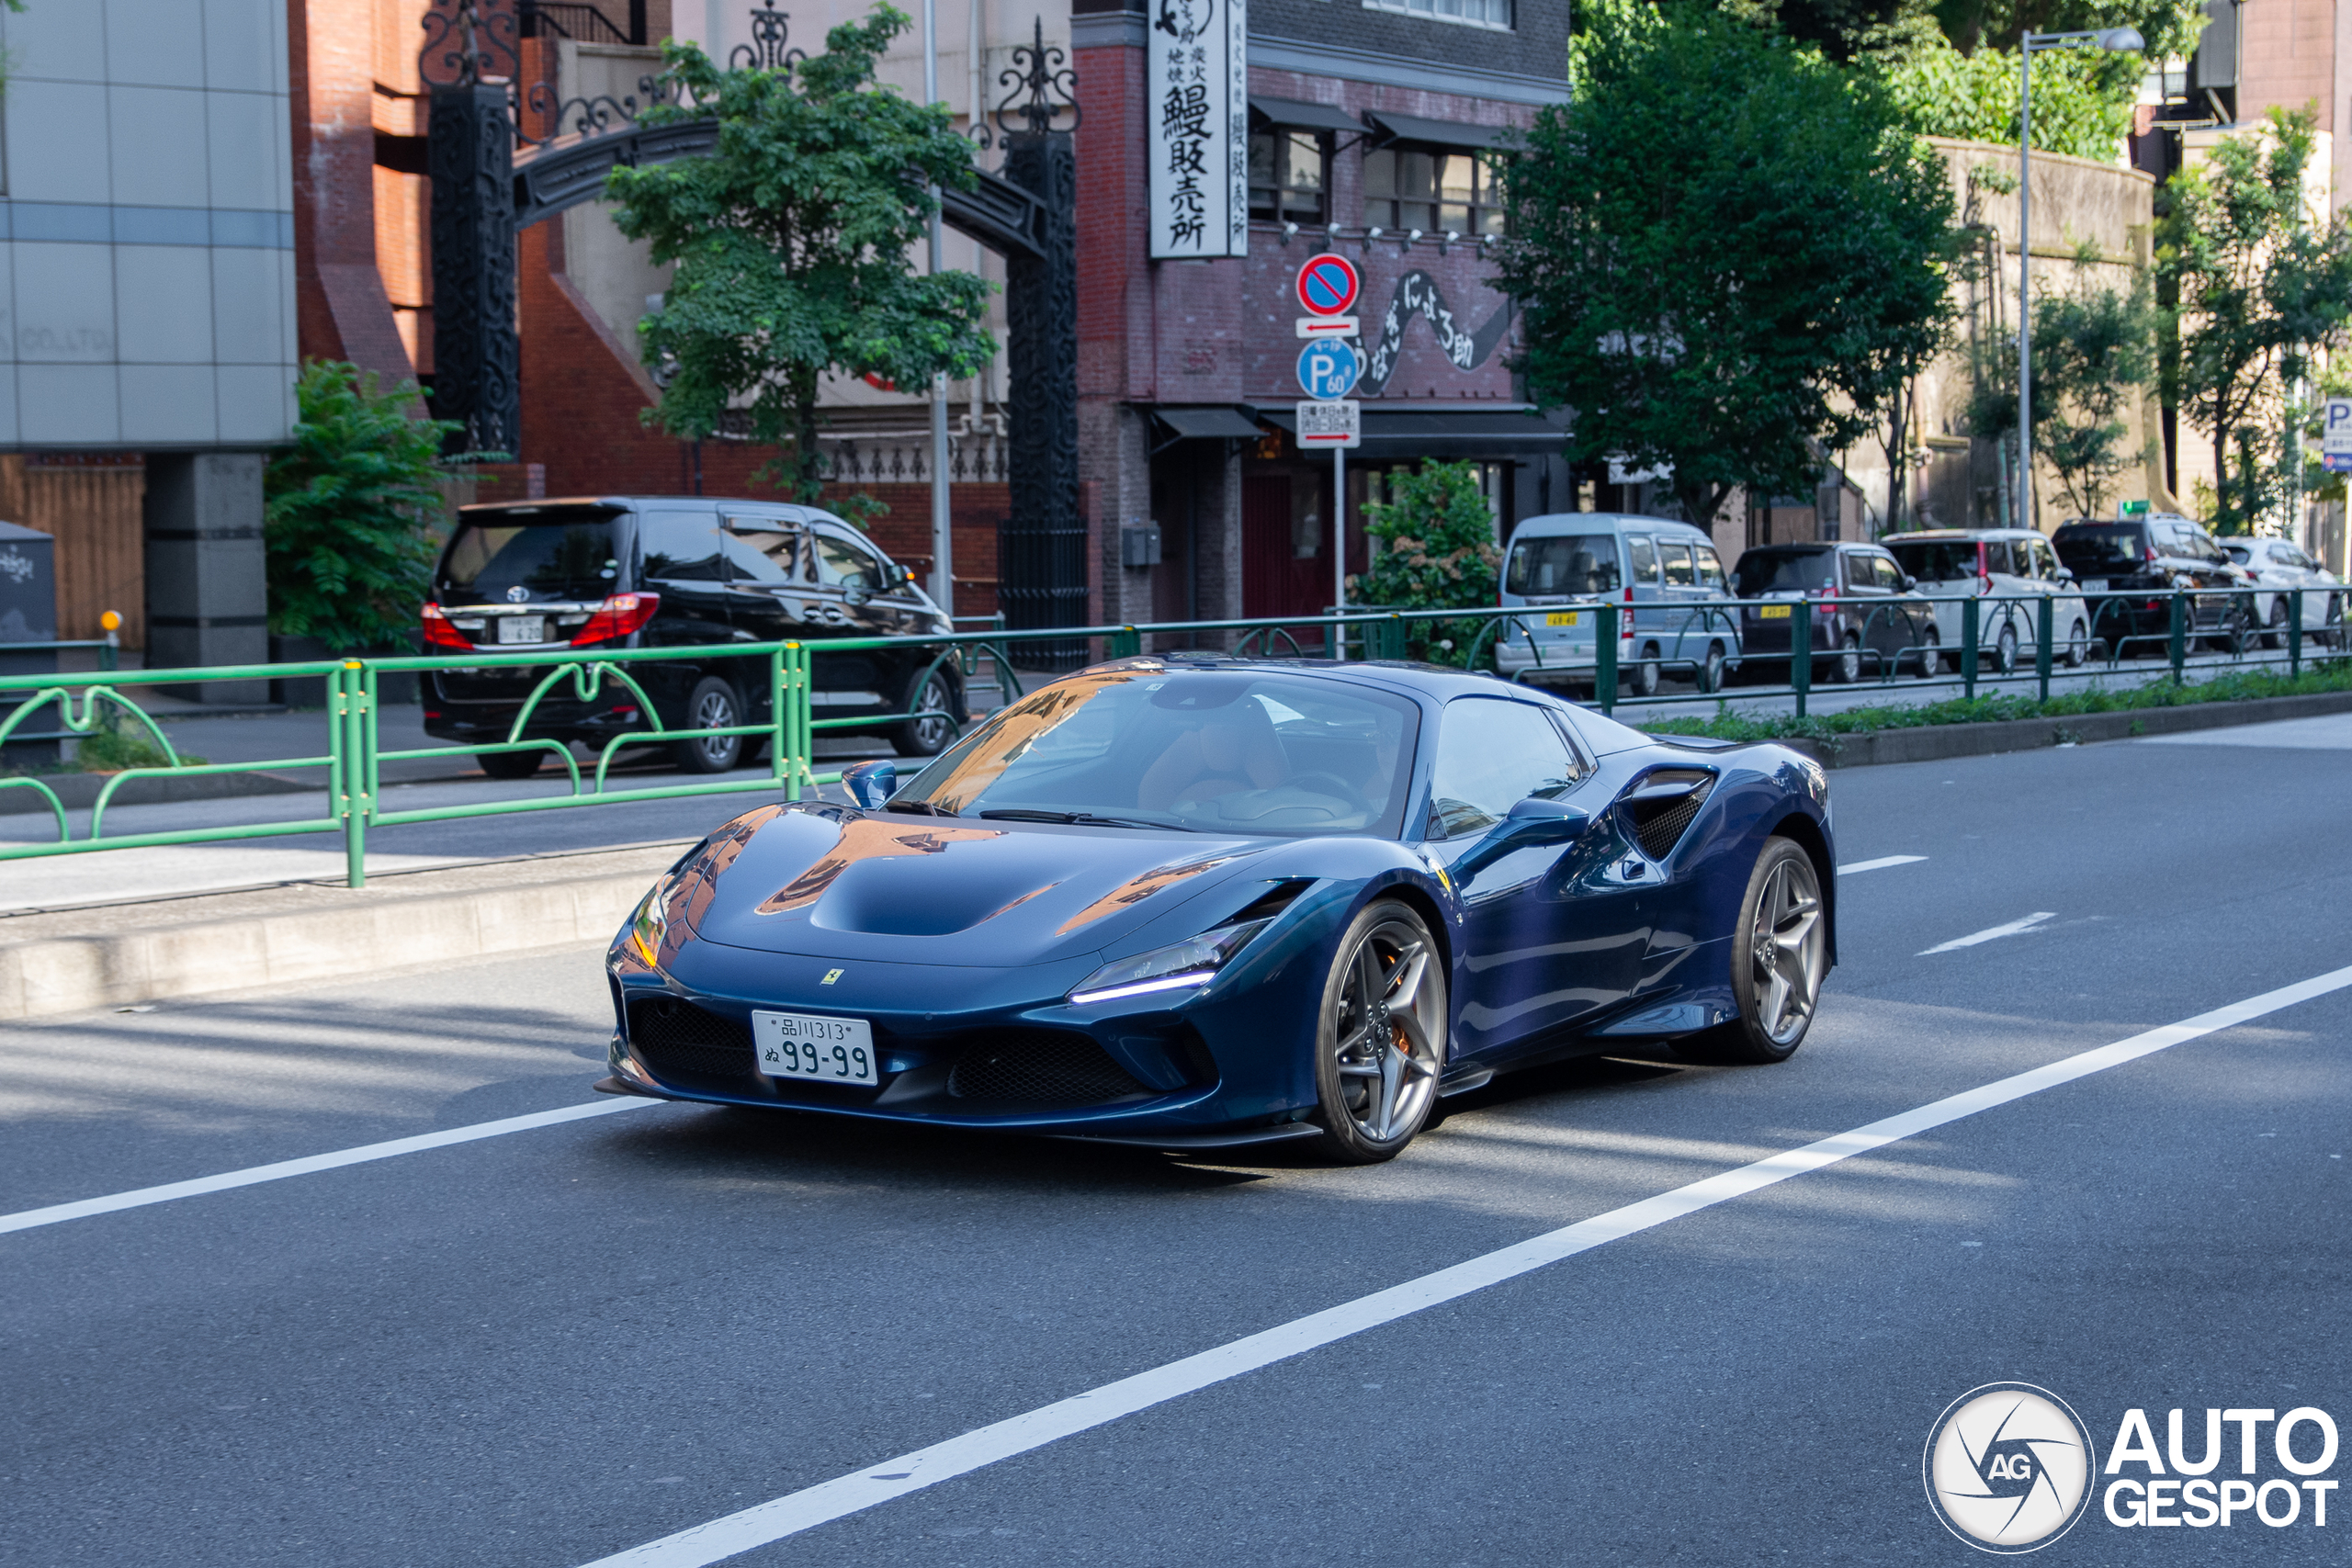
pixel 676 1037
pixel 1659 825
pixel 1039 1068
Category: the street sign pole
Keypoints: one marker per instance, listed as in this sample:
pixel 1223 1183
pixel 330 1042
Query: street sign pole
pixel 1339 549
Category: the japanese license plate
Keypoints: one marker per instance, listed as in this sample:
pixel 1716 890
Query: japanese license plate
pixel 1561 618
pixel 801 1046
pixel 2093 585
pixel 1773 612
pixel 522 629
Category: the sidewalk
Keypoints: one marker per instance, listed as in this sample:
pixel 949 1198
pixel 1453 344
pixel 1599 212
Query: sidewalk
pixel 124 954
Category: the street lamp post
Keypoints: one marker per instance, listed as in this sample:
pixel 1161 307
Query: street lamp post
pixel 942 516
pixel 2121 40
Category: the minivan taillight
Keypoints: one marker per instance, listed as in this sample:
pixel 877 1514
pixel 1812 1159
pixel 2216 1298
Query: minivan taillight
pixel 616 618
pixel 439 633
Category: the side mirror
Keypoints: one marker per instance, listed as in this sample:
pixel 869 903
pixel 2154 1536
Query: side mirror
pixel 1909 582
pixel 871 785
pixel 2065 575
pixel 1534 823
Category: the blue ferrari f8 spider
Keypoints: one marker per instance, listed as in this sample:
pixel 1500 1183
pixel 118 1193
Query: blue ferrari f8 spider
pixel 1195 902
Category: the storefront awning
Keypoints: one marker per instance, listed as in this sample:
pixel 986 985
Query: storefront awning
pixel 1306 116
pixel 1198 422
pixel 1390 128
pixel 1391 433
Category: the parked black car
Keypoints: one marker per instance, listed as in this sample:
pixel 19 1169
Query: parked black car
pixel 659 572
pixel 1867 616
pixel 2153 555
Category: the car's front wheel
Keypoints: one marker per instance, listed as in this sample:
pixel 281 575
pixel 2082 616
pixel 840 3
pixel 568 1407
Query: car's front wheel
pixel 930 736
pixel 1780 956
pixel 1381 1044
pixel 1931 655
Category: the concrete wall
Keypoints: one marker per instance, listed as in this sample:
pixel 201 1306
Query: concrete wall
pixel 146 231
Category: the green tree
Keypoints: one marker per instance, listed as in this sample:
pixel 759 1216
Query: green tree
pixel 791 243
pixel 1719 246
pixel 2082 98
pixel 2260 287
pixel 1432 547
pixel 2094 352
pixel 350 511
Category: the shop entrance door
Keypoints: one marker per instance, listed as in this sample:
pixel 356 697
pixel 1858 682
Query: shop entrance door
pixel 1285 543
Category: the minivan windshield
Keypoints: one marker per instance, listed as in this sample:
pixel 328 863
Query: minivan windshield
pixel 1213 750
pixel 560 553
pixel 1771 570
pixel 1563 563
pixel 2097 548
pixel 1936 560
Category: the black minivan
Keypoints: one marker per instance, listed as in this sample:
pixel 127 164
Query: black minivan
pixel 2148 557
pixel 666 571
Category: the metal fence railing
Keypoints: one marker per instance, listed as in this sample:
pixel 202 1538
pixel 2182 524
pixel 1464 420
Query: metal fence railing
pixel 348 762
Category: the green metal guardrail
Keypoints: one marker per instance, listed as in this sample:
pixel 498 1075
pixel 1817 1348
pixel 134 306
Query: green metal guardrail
pixel 352 757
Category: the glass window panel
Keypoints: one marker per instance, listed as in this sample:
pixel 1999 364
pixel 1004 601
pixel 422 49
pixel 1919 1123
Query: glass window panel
pixel 841 564
pixel 1711 569
pixel 1491 754
pixel 679 546
pixel 1678 564
pixel 1415 215
pixel 1642 548
pixel 1416 174
pixel 1455 220
pixel 762 557
pixel 1456 174
pixel 1262 160
pixel 1490 221
pixel 1305 169
pixel 1380 173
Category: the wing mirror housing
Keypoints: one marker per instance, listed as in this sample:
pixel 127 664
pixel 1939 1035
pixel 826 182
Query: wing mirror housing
pixel 1909 582
pixel 871 785
pixel 1534 823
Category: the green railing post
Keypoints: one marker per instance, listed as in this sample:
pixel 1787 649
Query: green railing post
pixel 350 742
pixel 1972 642
pixel 2042 657
pixel 1126 643
pixel 1801 651
pixel 796 700
pixel 780 746
pixel 2179 638
pixel 2294 632
pixel 1604 659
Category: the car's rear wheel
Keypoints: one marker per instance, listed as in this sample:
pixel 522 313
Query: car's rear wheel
pixel 713 705
pixel 2276 636
pixel 511 764
pixel 1780 956
pixel 1847 668
pixel 926 737
pixel 1931 655
pixel 2005 652
pixel 1712 673
pixel 1381 1044
pixel 1645 677
pixel 2078 647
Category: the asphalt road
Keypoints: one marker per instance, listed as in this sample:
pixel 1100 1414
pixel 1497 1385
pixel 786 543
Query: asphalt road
pixel 543 1348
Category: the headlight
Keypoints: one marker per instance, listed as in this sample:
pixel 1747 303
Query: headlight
pixel 647 927
pixel 1186 965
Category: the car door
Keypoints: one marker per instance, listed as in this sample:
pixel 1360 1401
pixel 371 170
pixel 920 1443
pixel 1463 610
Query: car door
pixel 2066 609
pixel 681 557
pixel 1712 622
pixel 1866 610
pixel 1679 572
pixel 763 553
pixel 1550 933
pixel 843 577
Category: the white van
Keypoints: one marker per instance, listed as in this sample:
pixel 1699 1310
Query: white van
pixel 2016 567
pixel 1664 576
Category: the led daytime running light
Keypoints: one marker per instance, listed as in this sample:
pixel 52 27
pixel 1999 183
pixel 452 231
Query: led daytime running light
pixel 1183 965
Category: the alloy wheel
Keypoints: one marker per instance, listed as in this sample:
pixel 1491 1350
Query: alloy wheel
pixel 1390 1033
pixel 717 711
pixel 1785 948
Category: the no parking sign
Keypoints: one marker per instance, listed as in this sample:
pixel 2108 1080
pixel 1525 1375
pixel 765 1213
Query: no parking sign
pixel 1328 285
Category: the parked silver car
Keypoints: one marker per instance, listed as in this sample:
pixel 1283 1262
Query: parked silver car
pixel 2011 566
pixel 2277 564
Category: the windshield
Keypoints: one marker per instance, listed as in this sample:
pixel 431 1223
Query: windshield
pixel 2090 549
pixel 561 554
pixel 1566 563
pixel 1220 751
pixel 1774 571
pixel 1937 560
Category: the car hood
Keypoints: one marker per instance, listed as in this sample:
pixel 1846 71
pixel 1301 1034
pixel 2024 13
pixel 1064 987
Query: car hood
pixel 836 882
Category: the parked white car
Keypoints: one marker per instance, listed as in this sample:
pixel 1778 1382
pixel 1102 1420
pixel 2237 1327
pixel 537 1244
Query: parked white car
pixel 2279 563
pixel 2013 568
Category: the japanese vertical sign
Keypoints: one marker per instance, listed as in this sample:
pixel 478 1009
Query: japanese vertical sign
pixel 1198 128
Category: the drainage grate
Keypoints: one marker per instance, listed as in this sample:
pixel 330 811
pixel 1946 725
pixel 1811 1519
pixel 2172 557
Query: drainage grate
pixel 677 1037
pixel 1039 1067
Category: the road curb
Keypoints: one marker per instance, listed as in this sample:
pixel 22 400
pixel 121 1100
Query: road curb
pixel 310 931
pixel 1940 742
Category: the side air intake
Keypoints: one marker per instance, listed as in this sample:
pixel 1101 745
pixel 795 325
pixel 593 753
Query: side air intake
pixel 1661 808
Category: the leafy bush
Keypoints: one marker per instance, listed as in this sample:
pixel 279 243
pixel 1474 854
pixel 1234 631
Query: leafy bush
pixel 123 743
pixel 2082 99
pixel 1432 547
pixel 2331 675
pixel 351 513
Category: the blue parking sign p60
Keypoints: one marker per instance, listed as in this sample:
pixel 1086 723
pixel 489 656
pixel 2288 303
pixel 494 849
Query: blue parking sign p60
pixel 2335 428
pixel 1328 368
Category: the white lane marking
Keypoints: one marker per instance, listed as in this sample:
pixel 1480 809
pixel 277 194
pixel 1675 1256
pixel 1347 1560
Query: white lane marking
pixel 1878 864
pixel 58 1213
pixel 803 1510
pixel 1990 933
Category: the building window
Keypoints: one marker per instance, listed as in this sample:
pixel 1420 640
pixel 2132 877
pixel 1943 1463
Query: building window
pixel 1288 176
pixel 1434 192
pixel 1475 12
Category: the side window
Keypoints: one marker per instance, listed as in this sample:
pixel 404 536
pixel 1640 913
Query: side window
pixel 1491 754
pixel 679 546
pixel 841 564
pixel 1678 564
pixel 1642 550
pixel 1889 575
pixel 1858 572
pixel 2045 563
pixel 1996 558
pixel 1711 569
pixel 757 551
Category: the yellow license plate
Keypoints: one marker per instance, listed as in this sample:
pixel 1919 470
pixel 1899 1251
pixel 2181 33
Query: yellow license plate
pixel 1561 618
pixel 1773 612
